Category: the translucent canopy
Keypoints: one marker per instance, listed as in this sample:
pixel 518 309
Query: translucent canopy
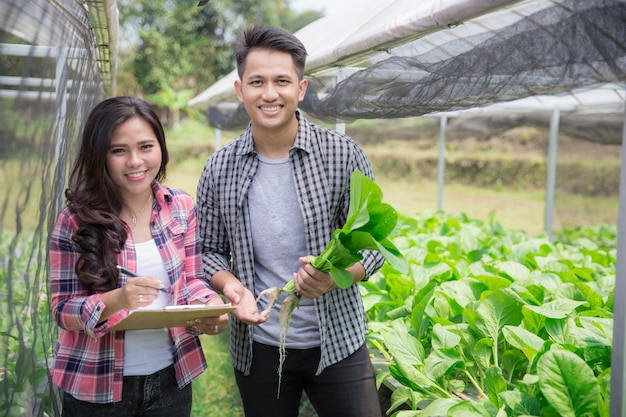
pixel 58 25
pixel 402 58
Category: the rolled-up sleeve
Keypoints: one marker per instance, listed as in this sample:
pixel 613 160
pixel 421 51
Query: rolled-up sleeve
pixel 74 307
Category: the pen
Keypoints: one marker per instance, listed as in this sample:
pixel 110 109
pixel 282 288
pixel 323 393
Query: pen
pixel 132 274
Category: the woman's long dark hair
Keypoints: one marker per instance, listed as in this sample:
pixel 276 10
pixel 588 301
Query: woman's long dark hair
pixel 93 196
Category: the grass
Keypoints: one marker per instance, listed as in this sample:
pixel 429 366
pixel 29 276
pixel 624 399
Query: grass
pixel 518 209
pixel 215 392
pixel 514 209
pixel 21 185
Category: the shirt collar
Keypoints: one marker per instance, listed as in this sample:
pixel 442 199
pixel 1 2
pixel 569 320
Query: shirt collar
pixel 162 194
pixel 304 138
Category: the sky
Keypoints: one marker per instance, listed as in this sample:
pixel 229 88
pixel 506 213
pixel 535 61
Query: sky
pixel 327 6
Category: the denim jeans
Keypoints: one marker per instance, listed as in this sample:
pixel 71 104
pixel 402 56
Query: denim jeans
pixel 345 389
pixel 155 395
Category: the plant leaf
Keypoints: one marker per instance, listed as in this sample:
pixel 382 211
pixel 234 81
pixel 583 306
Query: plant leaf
pixel 359 240
pixel 556 309
pixel 442 362
pixel 342 278
pixel 439 407
pixel 497 310
pixel 369 223
pixel 521 403
pixel 495 384
pixel 520 338
pixel 382 220
pixel 359 218
pixel 568 383
pixel 470 409
pixel 361 190
pixel 444 338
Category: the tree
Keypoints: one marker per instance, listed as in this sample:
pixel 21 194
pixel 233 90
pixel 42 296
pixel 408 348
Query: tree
pixel 184 46
pixel 175 101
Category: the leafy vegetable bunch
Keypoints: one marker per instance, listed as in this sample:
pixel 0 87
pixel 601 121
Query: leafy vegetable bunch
pixel 370 221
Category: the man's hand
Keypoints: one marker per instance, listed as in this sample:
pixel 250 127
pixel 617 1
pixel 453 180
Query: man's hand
pixel 246 308
pixel 310 282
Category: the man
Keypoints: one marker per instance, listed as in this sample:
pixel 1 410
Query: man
pixel 265 202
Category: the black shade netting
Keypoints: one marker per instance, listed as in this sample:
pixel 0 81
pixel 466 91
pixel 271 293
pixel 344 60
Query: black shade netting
pixel 510 54
pixel 51 74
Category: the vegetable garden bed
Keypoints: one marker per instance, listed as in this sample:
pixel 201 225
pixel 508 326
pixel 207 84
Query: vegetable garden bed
pixel 489 322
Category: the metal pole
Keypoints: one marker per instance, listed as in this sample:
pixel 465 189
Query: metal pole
pixel 443 121
pixel 618 390
pixel 340 126
pixel 551 171
pixel 60 119
pixel 218 139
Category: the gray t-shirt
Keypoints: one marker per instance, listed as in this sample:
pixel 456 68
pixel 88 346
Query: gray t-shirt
pixel 278 240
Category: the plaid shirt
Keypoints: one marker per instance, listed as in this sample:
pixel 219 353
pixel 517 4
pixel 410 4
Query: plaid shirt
pixel 89 360
pixel 322 161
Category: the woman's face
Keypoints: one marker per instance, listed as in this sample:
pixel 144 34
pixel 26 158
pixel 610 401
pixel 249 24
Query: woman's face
pixel 133 158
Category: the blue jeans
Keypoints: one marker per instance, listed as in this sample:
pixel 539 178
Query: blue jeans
pixel 345 389
pixel 155 395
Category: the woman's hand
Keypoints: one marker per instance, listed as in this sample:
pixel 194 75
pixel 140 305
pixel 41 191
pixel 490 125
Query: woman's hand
pixel 137 292
pixel 212 325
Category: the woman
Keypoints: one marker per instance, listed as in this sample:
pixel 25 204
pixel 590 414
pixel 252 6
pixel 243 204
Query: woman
pixel 118 214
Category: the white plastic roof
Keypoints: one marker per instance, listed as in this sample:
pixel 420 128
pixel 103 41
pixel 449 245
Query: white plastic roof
pixel 601 97
pixel 340 45
pixel 332 42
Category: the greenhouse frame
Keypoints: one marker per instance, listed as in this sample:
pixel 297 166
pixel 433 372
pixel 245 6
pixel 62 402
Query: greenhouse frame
pixel 388 59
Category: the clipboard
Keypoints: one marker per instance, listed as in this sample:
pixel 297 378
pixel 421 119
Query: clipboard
pixel 171 316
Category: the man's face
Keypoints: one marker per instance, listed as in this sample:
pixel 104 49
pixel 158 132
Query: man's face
pixel 270 89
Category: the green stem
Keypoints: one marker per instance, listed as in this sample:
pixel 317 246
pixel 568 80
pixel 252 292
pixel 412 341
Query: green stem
pixel 382 349
pixel 444 393
pixel 475 383
pixel 319 261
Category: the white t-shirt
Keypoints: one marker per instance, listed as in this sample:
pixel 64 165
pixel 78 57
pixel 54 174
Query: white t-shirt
pixel 150 350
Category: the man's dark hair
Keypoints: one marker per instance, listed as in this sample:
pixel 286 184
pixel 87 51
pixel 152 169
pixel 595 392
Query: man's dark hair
pixel 267 37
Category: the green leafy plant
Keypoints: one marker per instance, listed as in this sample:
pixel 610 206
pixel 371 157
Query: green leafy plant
pixel 369 223
pixel 26 329
pixel 491 322
pixel 174 101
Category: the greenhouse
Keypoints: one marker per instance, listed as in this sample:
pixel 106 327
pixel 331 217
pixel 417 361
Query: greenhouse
pixel 464 58
pixel 58 60
pixel 387 60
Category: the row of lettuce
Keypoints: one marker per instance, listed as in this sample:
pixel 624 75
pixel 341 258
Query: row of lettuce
pixel 490 322
pixel 487 321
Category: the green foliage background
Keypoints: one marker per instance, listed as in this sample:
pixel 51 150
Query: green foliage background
pixel 180 45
